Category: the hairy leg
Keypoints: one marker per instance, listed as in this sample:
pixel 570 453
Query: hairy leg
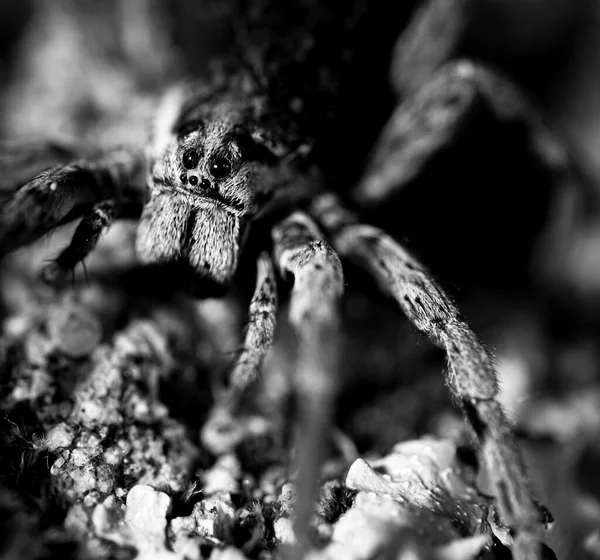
pixel 21 160
pixel 314 314
pixel 259 333
pixel 64 193
pixel 221 432
pixel 429 120
pixel 471 374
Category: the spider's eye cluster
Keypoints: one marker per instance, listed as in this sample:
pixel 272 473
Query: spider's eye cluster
pixel 220 168
pixel 190 159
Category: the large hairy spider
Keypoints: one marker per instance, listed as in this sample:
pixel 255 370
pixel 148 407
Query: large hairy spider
pixel 240 153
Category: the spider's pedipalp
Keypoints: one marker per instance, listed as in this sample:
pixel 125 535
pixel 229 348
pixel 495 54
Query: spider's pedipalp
pixel 314 314
pixel 62 194
pixel 471 374
pixel 83 242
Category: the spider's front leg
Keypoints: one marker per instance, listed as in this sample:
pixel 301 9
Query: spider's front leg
pixel 471 375
pixel 91 189
pixel 222 432
pixel 314 314
pixel 259 333
pixel 21 160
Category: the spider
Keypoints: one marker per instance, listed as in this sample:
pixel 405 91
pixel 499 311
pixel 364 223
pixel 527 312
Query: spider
pixel 229 156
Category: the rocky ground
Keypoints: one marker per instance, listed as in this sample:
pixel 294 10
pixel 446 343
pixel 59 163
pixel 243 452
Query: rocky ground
pixel 105 392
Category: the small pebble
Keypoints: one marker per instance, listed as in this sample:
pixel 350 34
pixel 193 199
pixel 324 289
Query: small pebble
pixel 74 330
pixel 284 530
pixel 288 497
pixel 223 477
pixel 228 553
pixel 79 457
pixel 61 435
pixel 146 516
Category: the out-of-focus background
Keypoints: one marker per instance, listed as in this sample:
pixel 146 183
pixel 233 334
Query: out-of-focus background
pixel 519 252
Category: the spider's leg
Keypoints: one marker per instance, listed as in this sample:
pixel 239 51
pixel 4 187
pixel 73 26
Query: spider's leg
pixel 428 42
pixel 430 119
pixel 22 160
pixel 471 374
pixel 314 314
pixel 259 332
pixel 63 193
pixel 83 242
pixel 219 433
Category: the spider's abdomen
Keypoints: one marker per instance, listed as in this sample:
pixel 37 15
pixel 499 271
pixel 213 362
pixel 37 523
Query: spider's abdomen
pixel 200 234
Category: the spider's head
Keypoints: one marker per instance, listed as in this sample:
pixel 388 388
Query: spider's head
pixel 205 185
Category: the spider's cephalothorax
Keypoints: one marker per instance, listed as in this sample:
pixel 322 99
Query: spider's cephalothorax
pixel 206 181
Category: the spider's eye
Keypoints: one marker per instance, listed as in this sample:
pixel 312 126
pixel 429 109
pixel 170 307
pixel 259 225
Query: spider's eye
pixel 190 159
pixel 220 168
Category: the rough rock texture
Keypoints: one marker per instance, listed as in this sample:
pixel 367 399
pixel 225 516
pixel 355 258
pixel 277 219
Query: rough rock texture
pixel 131 477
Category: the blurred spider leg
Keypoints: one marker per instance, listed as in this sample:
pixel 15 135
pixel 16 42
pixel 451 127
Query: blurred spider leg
pixel 471 375
pixel 83 242
pixel 314 314
pixel 428 41
pixel 22 160
pixel 219 433
pixel 62 194
pixel 430 119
